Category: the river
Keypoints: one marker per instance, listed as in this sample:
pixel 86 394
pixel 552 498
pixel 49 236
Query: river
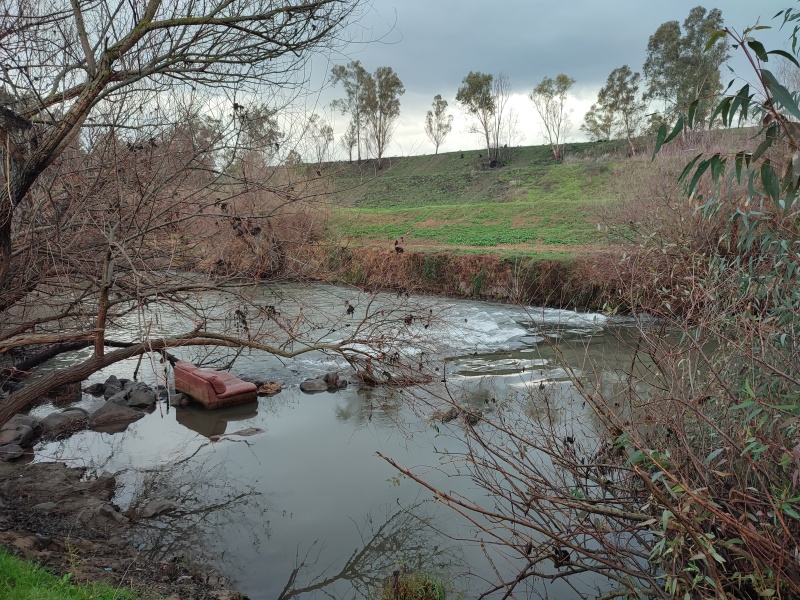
pixel 307 508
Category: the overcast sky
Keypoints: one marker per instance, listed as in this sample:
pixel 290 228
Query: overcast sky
pixel 433 44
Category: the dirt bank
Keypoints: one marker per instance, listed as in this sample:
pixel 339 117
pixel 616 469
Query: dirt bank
pixel 588 281
pixel 60 518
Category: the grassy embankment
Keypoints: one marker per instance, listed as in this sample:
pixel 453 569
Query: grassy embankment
pixel 528 206
pixel 530 230
pixel 21 580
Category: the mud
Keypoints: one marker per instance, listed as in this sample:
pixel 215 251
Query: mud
pixel 65 520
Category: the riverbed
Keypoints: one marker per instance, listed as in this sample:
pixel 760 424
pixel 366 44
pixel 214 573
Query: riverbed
pixel 307 508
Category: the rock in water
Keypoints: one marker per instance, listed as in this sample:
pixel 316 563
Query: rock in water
pixel 63 423
pixel 113 414
pixel 10 452
pixel 140 398
pixel 18 434
pixel 314 385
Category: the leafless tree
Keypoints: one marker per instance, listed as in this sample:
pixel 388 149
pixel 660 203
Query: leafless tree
pixel 501 91
pixel 136 178
pixel 320 134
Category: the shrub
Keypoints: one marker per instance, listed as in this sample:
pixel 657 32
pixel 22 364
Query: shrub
pixel 417 585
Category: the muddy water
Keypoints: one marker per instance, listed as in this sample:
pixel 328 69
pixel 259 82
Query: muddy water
pixel 307 509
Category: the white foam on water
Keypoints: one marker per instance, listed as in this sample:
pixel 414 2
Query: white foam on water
pixel 577 322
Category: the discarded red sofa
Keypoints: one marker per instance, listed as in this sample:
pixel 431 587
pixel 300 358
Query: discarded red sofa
pixel 212 389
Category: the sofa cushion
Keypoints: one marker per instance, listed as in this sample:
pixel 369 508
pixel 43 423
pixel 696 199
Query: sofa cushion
pixel 240 387
pixel 214 379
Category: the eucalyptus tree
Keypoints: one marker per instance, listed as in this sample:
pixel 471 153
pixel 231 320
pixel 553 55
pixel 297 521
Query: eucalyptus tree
pixel 679 69
pixel 438 122
pixel 484 97
pixel 476 99
pixel 381 109
pixel 353 78
pixel 549 98
pixel 619 109
pixel 320 134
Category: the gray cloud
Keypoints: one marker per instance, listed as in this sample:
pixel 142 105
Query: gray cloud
pixel 433 44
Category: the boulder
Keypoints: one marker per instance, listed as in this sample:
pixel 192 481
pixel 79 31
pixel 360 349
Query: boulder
pixel 63 423
pixel 113 381
pixel 96 389
pixel 121 398
pixel 314 385
pixel 109 511
pixel 21 435
pixel 158 507
pixel 10 452
pixel 20 419
pixel 139 398
pixel 112 413
pixel 111 390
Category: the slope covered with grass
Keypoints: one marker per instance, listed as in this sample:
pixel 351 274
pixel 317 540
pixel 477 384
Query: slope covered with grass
pixel 457 201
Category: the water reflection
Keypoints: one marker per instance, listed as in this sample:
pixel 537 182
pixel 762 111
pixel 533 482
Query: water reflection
pixel 209 423
pixel 396 538
pixel 368 404
pixel 179 508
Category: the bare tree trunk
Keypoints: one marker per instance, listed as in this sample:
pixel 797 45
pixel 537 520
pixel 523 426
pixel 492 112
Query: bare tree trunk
pixel 28 394
pixel 102 303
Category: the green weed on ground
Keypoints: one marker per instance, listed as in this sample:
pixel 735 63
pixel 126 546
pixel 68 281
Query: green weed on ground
pixel 413 586
pixel 21 580
pixel 456 200
pixel 485 225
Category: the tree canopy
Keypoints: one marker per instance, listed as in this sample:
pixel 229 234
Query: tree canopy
pixel 353 78
pixel 381 108
pixel 619 108
pixel 476 98
pixel 549 97
pixel 678 69
pixel 438 122
pixel 373 102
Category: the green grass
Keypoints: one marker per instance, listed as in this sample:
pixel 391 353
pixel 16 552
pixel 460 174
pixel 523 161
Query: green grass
pixel 452 202
pixel 21 580
pixel 413 586
pixel 484 225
